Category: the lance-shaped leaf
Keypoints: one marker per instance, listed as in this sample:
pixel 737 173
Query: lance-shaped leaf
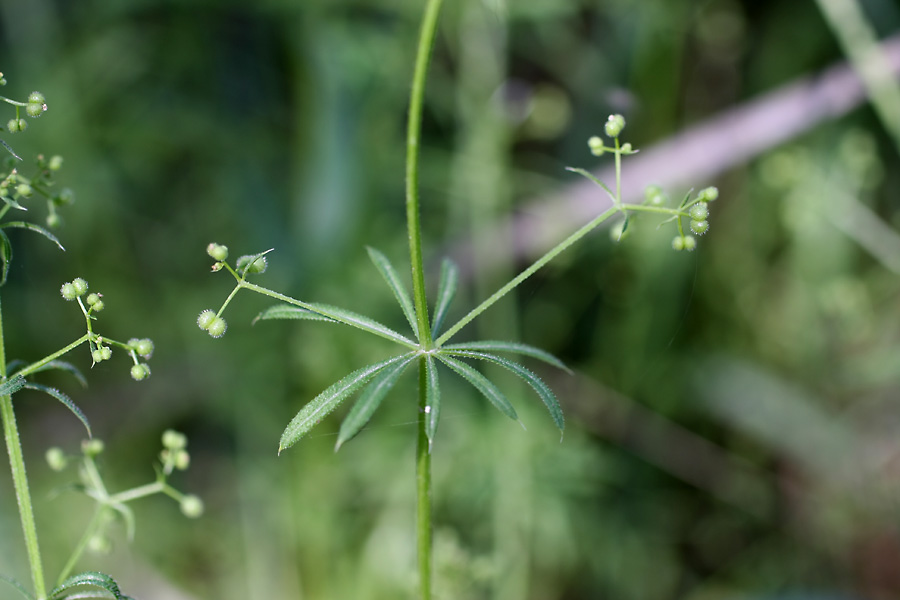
pixel 369 401
pixel 595 180
pixel 286 311
pixel 11 386
pixel 12 203
pixel 88 578
pixel 21 588
pixel 432 400
pixel 64 399
pixel 316 410
pixel 482 384
pixel 393 280
pixel 543 390
pixel 360 322
pixel 10 150
pixel 36 229
pixel 5 256
pixel 62 365
pixel 445 294
pixel 512 347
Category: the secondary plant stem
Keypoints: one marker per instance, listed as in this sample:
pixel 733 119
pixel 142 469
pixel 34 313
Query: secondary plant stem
pixel 20 481
pixel 423 492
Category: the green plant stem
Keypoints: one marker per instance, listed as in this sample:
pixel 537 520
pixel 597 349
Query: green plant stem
pixel 20 481
pixel 89 532
pixel 550 255
pixel 423 492
pixel 413 137
pixel 37 365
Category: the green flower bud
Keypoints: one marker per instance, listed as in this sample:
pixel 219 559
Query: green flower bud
pixel 68 291
pixel 12 125
pixel 97 356
pixel 92 447
pixel 53 220
pixel 626 147
pixel 56 458
pixel 700 227
pixel 217 251
pixel 65 196
pixel 140 372
pixel 144 347
pixel 655 196
pixel 24 190
pixel 182 460
pixel 699 211
pixel 36 98
pixel 55 163
pixel 708 194
pixel 259 265
pixel 690 243
pixel 217 327
pixel 92 298
pixel 206 318
pixel 174 440
pixel 596 145
pixel 191 506
pixel 614 125
pixel 35 109
pixel 100 544
pixel 81 286
pixel 105 352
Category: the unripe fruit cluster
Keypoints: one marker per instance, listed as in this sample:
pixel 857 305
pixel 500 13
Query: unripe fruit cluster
pixel 211 323
pixel 101 353
pixel 143 347
pixel 217 251
pixel 252 264
pixel 74 289
pixel 684 242
pixel 614 125
pixel 93 300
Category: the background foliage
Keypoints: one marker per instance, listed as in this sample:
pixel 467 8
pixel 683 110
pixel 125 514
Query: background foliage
pixel 731 420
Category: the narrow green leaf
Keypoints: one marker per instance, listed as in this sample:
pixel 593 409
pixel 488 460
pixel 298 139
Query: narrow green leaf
pixel 445 294
pixel 543 390
pixel 128 517
pixel 432 400
pixel 393 280
pixel 62 365
pixel 686 198
pixel 10 150
pixel 11 386
pixel 513 347
pixel 64 399
pixel 92 578
pixel 369 401
pixel 316 410
pixel 595 180
pixel 243 271
pixel 482 384
pixel 5 256
pixel 12 203
pixel 286 311
pixel 360 322
pixel 17 585
pixel 34 228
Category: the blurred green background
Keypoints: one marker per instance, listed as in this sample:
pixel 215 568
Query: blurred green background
pixel 732 419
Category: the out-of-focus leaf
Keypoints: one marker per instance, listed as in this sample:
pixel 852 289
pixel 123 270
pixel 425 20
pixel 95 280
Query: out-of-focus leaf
pixel 369 401
pixel 5 256
pixel 62 365
pixel 11 386
pixel 34 228
pixel 88 578
pixel 445 294
pixel 21 589
pixel 393 280
pixel 316 410
pixel 432 399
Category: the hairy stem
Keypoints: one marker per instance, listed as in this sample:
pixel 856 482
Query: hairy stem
pixel 413 136
pixel 423 492
pixel 20 481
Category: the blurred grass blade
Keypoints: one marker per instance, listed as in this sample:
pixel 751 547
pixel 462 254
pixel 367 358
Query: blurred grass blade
pixel 322 405
pixel 62 365
pixel 36 229
pixel 91 578
pixel 590 176
pixel 393 280
pixel 432 400
pixel 445 294
pixel 365 323
pixel 5 256
pixel 286 311
pixel 17 585
pixel 512 347
pixel 369 401
pixel 482 384
pixel 64 399
pixel 11 386
pixel 543 390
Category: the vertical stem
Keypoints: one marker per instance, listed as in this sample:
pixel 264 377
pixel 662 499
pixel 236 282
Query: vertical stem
pixel 20 481
pixel 423 492
pixel 414 130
